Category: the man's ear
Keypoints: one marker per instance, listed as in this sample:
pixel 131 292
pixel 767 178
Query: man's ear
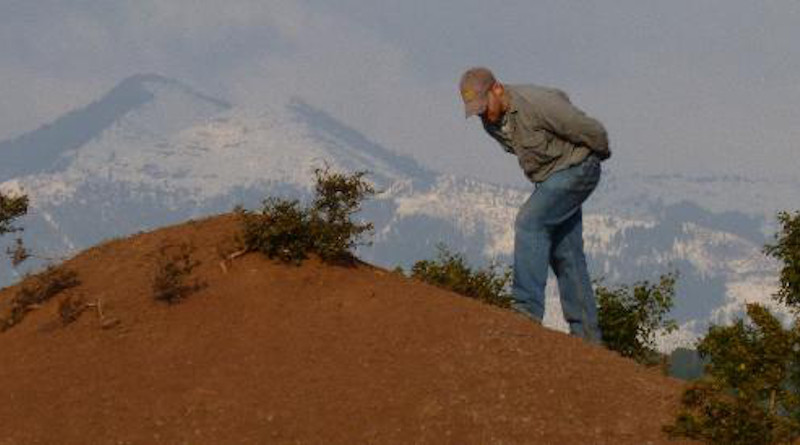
pixel 498 89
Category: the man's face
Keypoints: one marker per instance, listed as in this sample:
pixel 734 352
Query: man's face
pixel 494 108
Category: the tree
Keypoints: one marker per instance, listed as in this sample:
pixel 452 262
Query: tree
pixel 787 250
pixel 11 208
pixel 750 394
pixel 631 316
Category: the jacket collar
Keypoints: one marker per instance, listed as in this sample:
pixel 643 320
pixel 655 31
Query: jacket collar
pixel 514 99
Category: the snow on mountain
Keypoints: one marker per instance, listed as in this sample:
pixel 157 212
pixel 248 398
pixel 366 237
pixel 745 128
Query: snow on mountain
pixel 730 197
pixel 154 152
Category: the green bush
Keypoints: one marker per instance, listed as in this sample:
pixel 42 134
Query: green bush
pixel 36 290
pixel 630 317
pixel 281 230
pixel 288 232
pixel 451 272
pixel 338 196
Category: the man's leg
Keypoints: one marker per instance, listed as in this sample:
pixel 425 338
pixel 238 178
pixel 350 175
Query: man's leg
pixel 531 257
pixel 554 201
pixel 574 284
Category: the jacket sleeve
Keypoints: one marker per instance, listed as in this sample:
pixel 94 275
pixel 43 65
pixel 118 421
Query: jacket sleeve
pixel 563 119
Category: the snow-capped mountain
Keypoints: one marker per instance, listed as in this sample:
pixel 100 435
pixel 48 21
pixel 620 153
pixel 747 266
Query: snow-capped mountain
pixel 154 152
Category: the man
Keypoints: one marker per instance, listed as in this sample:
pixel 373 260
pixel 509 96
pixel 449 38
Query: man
pixel 559 149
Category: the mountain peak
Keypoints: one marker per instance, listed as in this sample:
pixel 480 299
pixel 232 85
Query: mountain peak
pixel 42 149
pixel 145 83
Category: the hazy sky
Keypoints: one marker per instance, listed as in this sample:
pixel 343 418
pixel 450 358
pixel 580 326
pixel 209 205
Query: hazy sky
pixel 683 86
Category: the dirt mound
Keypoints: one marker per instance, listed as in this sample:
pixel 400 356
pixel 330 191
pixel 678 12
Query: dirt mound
pixel 270 353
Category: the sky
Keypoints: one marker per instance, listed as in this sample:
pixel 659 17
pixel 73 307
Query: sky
pixel 697 87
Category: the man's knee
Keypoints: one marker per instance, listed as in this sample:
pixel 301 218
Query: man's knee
pixel 532 219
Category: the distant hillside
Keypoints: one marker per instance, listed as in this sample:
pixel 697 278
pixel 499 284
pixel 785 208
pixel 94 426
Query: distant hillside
pixel 270 353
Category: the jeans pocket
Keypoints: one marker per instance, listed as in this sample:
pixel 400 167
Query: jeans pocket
pixel 591 171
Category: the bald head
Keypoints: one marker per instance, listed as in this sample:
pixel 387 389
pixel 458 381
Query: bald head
pixel 475 85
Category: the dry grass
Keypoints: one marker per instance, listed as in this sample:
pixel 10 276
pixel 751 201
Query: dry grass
pixel 36 290
pixel 173 266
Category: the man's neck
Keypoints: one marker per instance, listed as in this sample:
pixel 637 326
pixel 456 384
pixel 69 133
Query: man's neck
pixel 506 101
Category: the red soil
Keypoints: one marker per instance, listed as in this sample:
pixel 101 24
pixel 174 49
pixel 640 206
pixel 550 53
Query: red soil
pixel 271 353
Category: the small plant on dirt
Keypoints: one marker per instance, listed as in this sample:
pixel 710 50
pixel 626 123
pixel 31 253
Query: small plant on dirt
pixel 285 230
pixel 281 230
pixel 631 316
pixel 174 265
pixel 69 309
pixel 19 253
pixel 450 271
pixel 36 290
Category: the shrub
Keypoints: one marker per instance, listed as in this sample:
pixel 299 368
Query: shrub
pixel 451 272
pixel 280 231
pixel 36 290
pixel 716 417
pixel 69 309
pixel 338 197
pixel 630 317
pixel 288 232
pixel 174 264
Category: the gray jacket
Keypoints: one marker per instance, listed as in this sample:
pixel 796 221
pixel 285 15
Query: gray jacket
pixel 546 132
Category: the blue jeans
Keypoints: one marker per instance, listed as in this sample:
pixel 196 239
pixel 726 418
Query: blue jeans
pixel 549 232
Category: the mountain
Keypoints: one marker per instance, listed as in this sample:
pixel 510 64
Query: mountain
pixel 160 112
pixel 154 152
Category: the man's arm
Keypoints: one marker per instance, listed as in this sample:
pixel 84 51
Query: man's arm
pixel 563 119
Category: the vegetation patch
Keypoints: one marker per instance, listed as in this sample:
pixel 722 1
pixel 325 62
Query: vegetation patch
pixel 630 317
pixel 11 208
pixel 750 393
pixel 450 271
pixel 285 230
pixel 173 267
pixel 787 250
pixel 70 309
pixel 36 290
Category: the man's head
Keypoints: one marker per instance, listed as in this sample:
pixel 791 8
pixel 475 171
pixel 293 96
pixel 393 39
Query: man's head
pixel 482 94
